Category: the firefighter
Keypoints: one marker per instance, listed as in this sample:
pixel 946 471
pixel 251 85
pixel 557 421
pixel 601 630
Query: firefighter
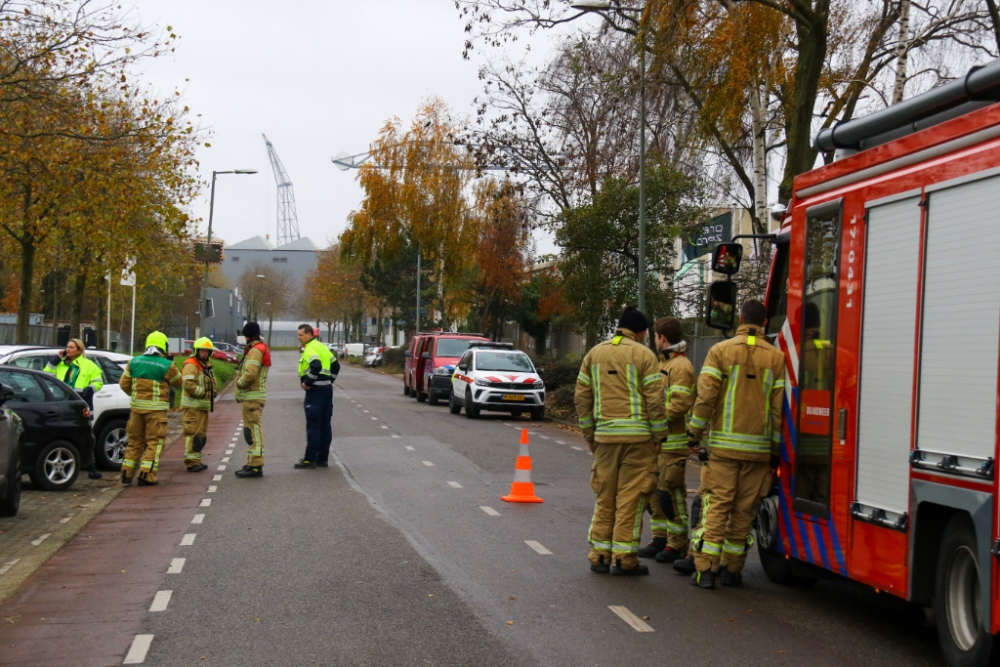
pixel 669 502
pixel 251 392
pixel 147 380
pixel 619 400
pixel 317 372
pixel 197 401
pixel 740 392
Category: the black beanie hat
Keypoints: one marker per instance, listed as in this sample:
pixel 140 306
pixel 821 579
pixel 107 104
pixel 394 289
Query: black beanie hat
pixel 633 320
pixel 251 330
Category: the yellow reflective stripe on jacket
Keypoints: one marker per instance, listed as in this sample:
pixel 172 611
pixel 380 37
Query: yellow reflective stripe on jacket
pixel 141 404
pixel 674 441
pixel 595 374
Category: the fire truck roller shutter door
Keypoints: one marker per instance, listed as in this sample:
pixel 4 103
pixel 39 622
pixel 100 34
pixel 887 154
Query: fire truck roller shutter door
pixel 960 334
pixel 888 332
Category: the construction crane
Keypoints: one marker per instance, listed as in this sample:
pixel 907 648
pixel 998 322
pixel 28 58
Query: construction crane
pixel 288 219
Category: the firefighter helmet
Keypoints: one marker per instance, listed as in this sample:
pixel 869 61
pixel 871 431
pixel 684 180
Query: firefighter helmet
pixel 203 343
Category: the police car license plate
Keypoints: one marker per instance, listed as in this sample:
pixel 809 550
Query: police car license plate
pixel 513 397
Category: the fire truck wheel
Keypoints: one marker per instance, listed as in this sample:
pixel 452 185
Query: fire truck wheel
pixel 784 571
pixel 964 640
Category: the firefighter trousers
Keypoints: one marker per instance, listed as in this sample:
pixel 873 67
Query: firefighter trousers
pixel 623 475
pixel 672 525
pixel 195 423
pixel 731 493
pixel 146 433
pixel 253 432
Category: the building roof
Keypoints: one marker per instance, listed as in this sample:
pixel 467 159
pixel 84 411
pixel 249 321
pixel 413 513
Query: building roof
pixel 254 243
pixel 304 243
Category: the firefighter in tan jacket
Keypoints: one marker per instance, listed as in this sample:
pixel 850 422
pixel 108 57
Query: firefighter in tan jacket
pixel 669 503
pixel 147 380
pixel 619 400
pixel 197 401
pixel 740 392
pixel 251 393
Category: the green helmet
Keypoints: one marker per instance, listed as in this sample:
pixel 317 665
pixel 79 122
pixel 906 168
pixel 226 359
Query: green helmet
pixel 157 339
pixel 203 343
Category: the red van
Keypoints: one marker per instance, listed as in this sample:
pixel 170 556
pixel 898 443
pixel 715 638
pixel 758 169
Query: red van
pixel 430 361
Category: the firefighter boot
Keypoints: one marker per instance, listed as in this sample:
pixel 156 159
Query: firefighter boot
pixel 250 471
pixel 684 565
pixel 637 571
pixel 728 578
pixel 303 464
pixel 198 467
pixel 145 481
pixel 704 579
pixel 669 555
pixel 601 567
pixel 653 549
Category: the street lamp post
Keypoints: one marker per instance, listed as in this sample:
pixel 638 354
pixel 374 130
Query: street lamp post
pixel 599 6
pixel 203 306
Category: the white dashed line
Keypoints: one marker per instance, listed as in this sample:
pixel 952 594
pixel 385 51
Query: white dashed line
pixel 383 426
pixel 428 464
pixel 212 488
pixel 221 467
pixel 9 564
pixel 637 623
pixel 394 435
pixel 489 510
pixel 198 518
pixel 188 539
pixel 217 478
pixel 455 485
pixel 161 600
pixel 225 459
pixel 366 411
pixel 506 424
pixel 205 502
pixel 538 547
pixel 65 519
pixel 409 449
pixel 40 539
pixel 229 452
pixel 579 449
pixel 374 419
pixel 176 565
pixel 560 442
pixel 137 652
pixel 544 437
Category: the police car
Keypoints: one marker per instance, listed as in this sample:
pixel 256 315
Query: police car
pixel 498 378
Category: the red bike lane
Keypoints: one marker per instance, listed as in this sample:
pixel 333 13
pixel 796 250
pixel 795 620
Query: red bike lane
pixel 85 605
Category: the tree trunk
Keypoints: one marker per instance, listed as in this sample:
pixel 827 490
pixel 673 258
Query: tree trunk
pixel 444 315
pixel 994 11
pixel 812 41
pixel 24 300
pixel 76 312
pixel 902 51
pixel 757 116
pixel 591 336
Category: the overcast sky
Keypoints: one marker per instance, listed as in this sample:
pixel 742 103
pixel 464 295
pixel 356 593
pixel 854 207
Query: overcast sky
pixel 317 77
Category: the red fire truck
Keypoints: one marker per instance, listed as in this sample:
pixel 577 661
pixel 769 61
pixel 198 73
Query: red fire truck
pixel 884 295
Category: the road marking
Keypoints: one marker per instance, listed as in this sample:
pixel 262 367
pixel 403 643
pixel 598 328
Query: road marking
pixel 40 539
pixel 198 518
pixel 409 449
pixel 560 442
pixel 188 539
pixel 428 464
pixel 225 459
pixel 544 437
pixel 394 435
pixel 383 426
pixel 506 424
pixel 637 623
pixel 176 565
pixel 220 467
pixel 366 411
pixel 455 485
pixel 579 449
pixel 374 419
pixel 538 547
pixel 212 488
pixel 489 510
pixel 206 502
pixel 235 438
pixel 65 519
pixel 9 564
pixel 229 452
pixel 217 478
pixel 160 601
pixel 137 652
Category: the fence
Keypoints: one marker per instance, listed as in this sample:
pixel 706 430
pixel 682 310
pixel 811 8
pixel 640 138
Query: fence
pixel 698 347
pixel 37 334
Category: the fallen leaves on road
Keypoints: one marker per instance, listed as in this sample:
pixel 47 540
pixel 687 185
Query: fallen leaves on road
pixel 645 618
pixel 510 622
pixel 511 597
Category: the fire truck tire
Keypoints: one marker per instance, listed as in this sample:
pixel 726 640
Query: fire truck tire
pixel 785 571
pixel 965 641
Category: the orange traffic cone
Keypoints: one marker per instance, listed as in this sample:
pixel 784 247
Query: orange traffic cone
pixel 523 489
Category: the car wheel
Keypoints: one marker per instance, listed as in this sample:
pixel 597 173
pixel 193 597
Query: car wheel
pixel 432 398
pixel 406 389
pixel 962 631
pixel 111 444
pixel 11 502
pixel 471 411
pixel 516 413
pixel 453 407
pixel 538 414
pixel 57 466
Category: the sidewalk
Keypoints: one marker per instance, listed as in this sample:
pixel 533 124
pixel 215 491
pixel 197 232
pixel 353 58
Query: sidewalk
pixel 86 603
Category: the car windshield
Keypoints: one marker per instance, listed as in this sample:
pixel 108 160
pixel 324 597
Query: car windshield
pixel 515 362
pixel 452 347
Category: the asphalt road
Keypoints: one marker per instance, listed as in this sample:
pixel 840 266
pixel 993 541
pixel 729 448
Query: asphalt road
pixel 404 554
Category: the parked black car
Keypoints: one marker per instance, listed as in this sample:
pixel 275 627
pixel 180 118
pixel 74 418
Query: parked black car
pixel 11 450
pixel 58 440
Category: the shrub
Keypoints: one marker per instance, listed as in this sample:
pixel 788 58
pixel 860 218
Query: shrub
pixel 393 359
pixel 559 403
pixel 558 373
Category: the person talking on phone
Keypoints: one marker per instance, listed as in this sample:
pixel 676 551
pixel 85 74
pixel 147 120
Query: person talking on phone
pixel 83 375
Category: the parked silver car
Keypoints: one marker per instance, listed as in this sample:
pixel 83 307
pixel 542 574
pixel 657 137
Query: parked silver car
pixel 11 453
